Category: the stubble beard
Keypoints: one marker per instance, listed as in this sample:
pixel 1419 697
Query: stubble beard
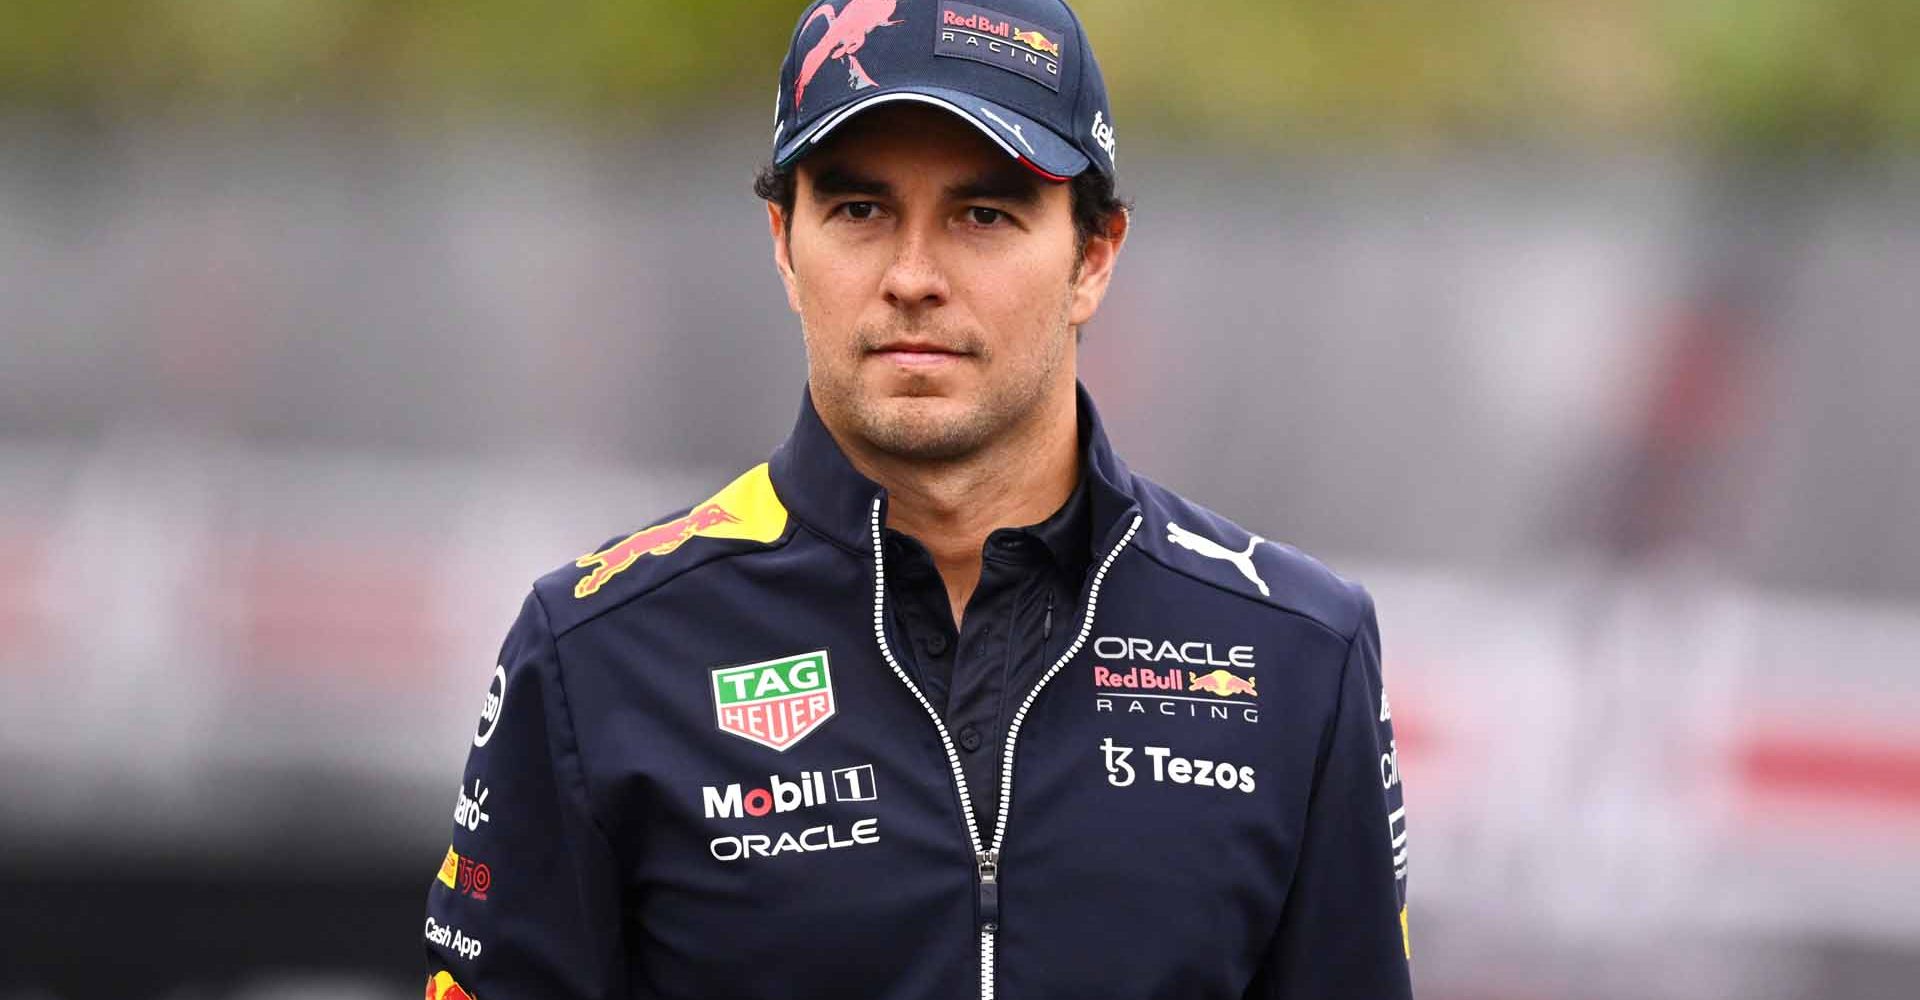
pixel 913 425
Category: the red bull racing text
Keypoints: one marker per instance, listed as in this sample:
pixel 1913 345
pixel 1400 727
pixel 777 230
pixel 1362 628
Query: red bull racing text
pixel 1219 694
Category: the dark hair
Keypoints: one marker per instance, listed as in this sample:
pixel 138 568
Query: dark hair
pixel 1091 194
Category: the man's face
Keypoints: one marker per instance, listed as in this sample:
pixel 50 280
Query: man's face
pixel 936 283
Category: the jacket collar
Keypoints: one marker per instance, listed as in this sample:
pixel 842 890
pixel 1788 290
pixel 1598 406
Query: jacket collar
pixel 823 490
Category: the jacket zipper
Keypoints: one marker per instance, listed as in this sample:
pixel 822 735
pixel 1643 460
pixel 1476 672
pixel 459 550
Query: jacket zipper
pixel 987 860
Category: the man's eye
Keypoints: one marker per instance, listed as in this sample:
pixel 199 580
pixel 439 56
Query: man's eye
pixel 984 216
pixel 858 209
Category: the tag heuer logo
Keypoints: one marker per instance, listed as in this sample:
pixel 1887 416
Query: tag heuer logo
pixel 776 702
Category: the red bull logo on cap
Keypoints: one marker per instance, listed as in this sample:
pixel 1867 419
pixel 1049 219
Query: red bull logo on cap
pixel 1038 42
pixel 983 35
pixel 747 509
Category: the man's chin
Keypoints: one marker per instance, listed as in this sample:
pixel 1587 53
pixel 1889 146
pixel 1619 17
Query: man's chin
pixel 925 428
pixel 923 377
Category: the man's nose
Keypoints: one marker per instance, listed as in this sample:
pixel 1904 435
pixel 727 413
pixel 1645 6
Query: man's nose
pixel 914 278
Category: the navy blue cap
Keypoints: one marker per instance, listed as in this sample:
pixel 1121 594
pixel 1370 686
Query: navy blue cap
pixel 1020 71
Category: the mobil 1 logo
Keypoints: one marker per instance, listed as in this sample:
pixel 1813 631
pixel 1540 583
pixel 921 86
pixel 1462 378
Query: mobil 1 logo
pixel 781 795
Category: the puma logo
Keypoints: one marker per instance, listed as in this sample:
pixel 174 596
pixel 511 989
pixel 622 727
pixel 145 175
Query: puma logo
pixel 1015 129
pixel 1243 561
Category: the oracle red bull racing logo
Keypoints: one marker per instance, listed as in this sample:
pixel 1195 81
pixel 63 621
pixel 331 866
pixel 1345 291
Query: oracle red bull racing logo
pixel 747 509
pixel 1174 691
pixel 774 703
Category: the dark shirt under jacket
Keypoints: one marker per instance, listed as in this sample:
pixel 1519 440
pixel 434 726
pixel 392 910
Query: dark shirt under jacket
pixel 1018 621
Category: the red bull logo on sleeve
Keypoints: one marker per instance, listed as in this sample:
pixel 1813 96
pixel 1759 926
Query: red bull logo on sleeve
pixel 441 986
pixel 747 509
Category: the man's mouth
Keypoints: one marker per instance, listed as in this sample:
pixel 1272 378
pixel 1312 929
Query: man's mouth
pixel 919 353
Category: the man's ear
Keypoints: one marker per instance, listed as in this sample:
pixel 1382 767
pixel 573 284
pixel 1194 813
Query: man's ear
pixel 783 253
pixel 1096 269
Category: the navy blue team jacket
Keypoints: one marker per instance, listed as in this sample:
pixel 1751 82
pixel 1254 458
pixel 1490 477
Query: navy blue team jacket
pixel 703 769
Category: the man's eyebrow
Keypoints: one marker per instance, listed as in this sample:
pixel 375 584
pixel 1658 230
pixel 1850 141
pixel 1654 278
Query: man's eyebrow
pixel 838 180
pixel 1011 186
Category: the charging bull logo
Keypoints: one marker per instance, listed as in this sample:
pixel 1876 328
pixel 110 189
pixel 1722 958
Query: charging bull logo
pixel 1222 683
pixel 1037 42
pixel 442 987
pixel 747 509
pixel 846 32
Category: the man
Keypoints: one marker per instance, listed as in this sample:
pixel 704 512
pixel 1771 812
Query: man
pixel 942 699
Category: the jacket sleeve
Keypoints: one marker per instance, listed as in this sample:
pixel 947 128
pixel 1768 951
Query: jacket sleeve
pixel 1343 932
pixel 526 903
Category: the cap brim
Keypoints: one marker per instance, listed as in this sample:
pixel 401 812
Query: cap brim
pixel 1036 146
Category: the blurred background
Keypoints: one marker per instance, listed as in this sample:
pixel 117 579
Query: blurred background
pixel 1585 332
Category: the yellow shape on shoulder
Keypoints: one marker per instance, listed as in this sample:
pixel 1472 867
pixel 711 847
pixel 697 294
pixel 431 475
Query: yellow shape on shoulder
pixel 746 509
pixel 442 987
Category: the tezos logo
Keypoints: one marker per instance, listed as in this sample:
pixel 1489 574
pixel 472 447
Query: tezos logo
pixel 449 937
pixel 465 875
pixel 469 811
pixel 496 703
pixel 850 784
pixel 1170 768
pixel 774 703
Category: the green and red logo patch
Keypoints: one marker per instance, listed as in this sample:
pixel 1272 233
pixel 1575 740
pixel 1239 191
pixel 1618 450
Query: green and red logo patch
pixel 774 703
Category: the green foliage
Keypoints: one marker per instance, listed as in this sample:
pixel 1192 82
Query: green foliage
pixel 1756 72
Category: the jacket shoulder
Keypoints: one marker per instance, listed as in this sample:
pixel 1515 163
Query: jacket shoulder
pixel 1190 539
pixel 745 516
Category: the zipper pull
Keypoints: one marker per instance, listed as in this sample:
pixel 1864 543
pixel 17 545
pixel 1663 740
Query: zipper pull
pixel 989 889
pixel 1046 626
